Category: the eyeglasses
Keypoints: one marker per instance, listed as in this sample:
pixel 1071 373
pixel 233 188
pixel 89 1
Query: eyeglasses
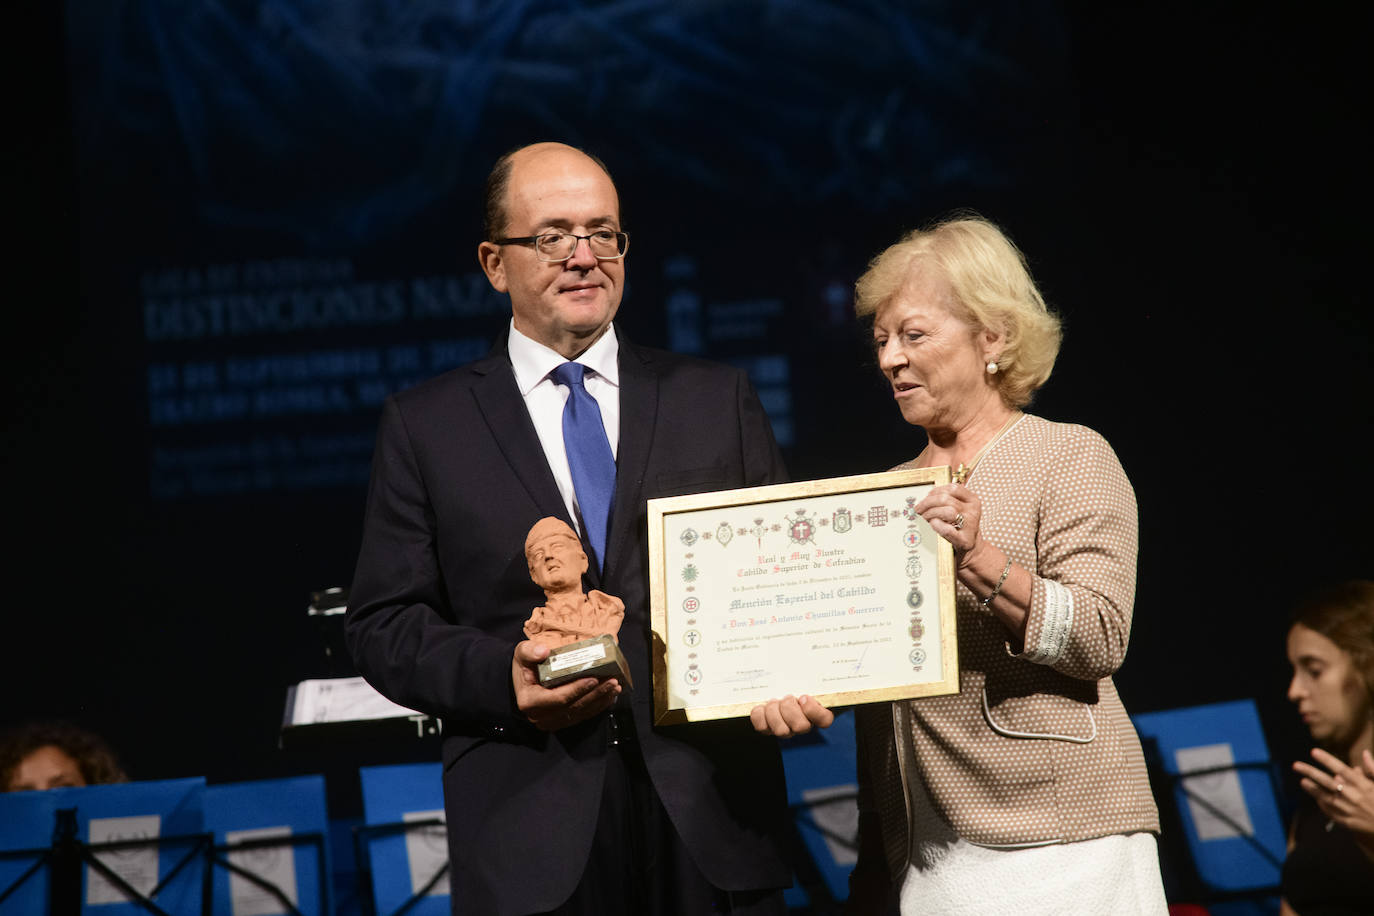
pixel 605 244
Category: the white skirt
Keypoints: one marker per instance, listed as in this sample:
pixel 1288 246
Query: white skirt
pixel 1111 875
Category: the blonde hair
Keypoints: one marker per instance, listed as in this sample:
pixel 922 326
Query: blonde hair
pixel 993 290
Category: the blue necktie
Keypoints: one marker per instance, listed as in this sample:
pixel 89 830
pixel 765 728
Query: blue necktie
pixel 589 457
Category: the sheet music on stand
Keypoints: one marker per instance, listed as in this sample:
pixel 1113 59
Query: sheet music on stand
pixel 327 710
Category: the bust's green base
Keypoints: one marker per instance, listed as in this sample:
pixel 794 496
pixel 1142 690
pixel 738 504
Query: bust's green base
pixel 599 657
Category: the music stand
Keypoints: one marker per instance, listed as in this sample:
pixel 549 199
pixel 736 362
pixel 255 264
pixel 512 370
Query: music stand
pixel 402 847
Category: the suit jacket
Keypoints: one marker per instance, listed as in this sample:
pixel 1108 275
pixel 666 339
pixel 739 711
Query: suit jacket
pixel 442 591
pixel 1036 747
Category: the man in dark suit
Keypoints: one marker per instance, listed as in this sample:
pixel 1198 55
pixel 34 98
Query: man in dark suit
pixel 565 800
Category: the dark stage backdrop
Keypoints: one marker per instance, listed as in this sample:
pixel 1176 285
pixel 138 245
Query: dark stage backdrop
pixel 261 218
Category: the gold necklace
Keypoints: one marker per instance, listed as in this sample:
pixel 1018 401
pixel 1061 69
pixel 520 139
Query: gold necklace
pixel 964 471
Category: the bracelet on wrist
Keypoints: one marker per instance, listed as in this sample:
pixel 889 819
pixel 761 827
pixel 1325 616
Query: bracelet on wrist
pixel 986 602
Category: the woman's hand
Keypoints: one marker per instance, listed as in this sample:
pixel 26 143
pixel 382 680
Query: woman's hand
pixel 954 511
pixel 1344 793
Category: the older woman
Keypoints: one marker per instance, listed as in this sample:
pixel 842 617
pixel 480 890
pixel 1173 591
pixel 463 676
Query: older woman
pixel 1025 792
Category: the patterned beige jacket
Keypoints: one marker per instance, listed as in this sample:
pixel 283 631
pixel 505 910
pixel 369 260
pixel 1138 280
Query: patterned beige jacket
pixel 1035 748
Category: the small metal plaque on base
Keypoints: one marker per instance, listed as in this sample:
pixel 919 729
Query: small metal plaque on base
pixel 598 657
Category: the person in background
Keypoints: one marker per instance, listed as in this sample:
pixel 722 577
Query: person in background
pixel 1330 865
pixel 54 755
pixel 1025 792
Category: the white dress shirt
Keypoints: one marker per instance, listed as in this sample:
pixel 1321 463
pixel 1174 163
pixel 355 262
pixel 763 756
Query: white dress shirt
pixel 533 362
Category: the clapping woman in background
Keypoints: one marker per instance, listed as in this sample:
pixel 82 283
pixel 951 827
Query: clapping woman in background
pixel 1330 864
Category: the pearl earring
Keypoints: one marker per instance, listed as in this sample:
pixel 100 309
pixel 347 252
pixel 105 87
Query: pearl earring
pixel 992 368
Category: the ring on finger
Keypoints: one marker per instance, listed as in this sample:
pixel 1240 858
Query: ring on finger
pixel 959 522
pixel 1339 788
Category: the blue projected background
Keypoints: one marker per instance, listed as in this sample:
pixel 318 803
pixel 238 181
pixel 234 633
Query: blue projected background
pixel 306 180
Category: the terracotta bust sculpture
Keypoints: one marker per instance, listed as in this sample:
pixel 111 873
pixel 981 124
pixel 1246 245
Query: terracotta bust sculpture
pixel 557 561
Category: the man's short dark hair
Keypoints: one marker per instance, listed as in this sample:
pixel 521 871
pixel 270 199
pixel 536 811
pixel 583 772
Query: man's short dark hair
pixel 494 214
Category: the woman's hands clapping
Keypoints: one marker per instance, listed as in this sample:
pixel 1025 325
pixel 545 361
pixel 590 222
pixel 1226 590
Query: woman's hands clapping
pixel 1344 793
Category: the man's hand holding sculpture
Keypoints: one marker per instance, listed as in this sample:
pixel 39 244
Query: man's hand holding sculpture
pixel 571 667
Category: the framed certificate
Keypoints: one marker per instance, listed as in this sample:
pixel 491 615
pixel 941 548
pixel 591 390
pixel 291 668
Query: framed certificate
pixel 833 588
